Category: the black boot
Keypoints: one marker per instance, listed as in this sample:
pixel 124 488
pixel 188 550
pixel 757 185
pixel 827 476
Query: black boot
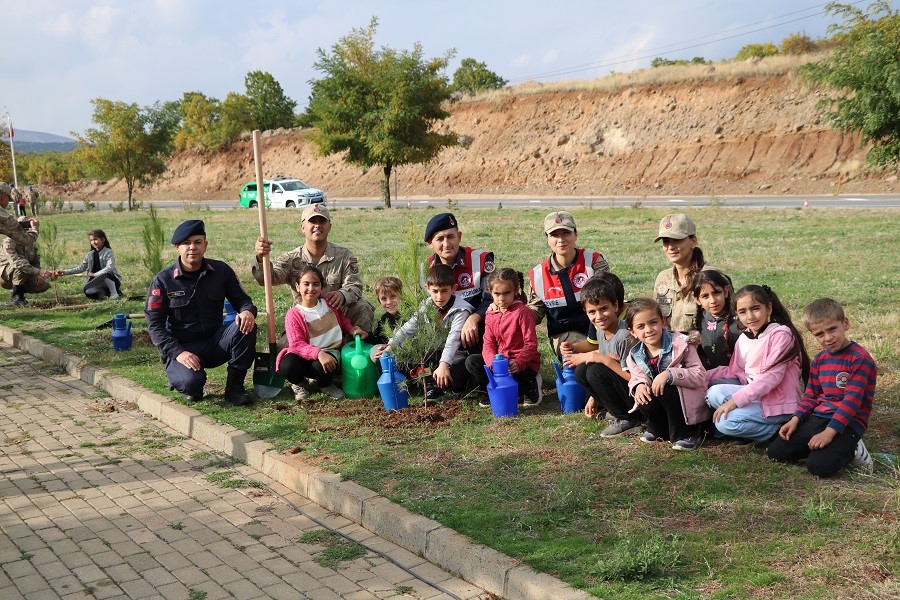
pixel 234 388
pixel 18 296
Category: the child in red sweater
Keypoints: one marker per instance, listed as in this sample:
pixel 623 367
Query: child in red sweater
pixel 510 329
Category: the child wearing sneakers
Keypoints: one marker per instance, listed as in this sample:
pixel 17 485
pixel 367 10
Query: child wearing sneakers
pixel 668 382
pixel 509 330
pixel 599 360
pixel 448 362
pixel 827 427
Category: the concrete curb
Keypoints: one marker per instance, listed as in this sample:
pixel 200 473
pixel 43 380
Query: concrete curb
pixel 475 563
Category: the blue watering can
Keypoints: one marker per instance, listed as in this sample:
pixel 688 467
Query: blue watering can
pixel 572 396
pixel 230 314
pixel 503 390
pixel 392 396
pixel 121 333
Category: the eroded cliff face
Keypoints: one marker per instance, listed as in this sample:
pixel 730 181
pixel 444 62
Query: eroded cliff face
pixel 745 136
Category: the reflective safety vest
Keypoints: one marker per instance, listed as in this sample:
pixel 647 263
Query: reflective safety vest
pixel 471 268
pixel 560 291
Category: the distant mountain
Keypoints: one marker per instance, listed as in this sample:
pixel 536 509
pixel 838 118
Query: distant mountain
pixel 38 141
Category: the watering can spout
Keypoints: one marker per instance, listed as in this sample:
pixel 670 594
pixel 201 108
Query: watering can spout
pixel 557 368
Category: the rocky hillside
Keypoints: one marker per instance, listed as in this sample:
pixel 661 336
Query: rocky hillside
pixel 741 136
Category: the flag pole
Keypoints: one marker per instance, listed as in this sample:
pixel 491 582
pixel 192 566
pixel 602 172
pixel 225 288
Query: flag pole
pixel 12 150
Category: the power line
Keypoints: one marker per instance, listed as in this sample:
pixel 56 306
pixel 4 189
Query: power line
pixel 679 46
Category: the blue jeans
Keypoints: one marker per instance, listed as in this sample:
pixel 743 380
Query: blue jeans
pixel 744 421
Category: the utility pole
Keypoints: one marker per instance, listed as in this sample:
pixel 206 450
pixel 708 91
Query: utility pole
pixel 12 150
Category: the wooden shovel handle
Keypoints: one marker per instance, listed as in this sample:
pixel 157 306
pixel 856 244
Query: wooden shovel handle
pixel 263 232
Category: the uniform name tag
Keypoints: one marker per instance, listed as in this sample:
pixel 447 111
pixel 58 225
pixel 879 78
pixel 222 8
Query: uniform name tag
pixel 176 294
pixel 554 303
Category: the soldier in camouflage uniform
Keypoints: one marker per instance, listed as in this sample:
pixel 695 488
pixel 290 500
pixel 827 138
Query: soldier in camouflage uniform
pixel 33 200
pixel 20 268
pixel 342 287
pixel 9 226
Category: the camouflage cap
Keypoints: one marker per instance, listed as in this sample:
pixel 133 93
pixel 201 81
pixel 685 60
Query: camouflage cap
pixel 5 189
pixel 676 227
pixel 315 210
pixel 559 220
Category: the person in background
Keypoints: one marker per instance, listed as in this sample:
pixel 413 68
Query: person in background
pixel 556 283
pixel 9 224
pixel 674 288
pixel 20 266
pixel 100 264
pixel 184 318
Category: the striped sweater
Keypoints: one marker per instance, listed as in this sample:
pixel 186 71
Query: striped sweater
pixel 841 388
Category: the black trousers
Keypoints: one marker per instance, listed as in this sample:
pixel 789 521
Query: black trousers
pixel 824 462
pixel 297 370
pixel 526 378
pixel 607 388
pixel 227 345
pixel 665 418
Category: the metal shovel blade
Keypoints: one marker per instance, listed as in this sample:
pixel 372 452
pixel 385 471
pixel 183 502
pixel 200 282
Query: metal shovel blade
pixel 266 382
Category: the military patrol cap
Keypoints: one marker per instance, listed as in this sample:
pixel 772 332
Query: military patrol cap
pixel 439 222
pixel 676 227
pixel 315 210
pixel 187 229
pixel 559 220
pixel 5 189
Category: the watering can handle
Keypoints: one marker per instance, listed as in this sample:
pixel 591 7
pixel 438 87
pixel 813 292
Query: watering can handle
pixel 490 375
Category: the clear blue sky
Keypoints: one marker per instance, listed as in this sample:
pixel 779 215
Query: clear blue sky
pixel 59 54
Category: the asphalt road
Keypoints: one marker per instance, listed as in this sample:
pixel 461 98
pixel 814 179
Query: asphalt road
pixel 830 201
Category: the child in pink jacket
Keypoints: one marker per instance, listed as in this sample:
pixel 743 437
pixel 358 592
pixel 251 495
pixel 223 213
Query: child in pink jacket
pixel 768 360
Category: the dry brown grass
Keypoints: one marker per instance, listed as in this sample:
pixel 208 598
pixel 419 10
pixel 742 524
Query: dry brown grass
pixel 725 70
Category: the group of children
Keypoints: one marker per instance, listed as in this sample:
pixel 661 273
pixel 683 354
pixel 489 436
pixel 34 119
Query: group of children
pixel 698 359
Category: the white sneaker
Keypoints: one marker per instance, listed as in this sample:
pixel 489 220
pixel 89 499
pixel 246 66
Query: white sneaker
pixel 332 391
pixel 862 460
pixel 301 393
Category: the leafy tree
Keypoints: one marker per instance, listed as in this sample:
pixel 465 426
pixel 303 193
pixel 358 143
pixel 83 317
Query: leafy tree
pixel 380 106
pixel 165 120
pixel 6 173
pixel 236 116
pixel 659 61
pixel 200 121
pixel 473 76
pixel 270 108
pixel 124 144
pixel 865 66
pixel 757 51
pixel 798 43
pixel 51 167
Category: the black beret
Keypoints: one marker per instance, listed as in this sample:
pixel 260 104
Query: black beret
pixel 439 223
pixel 187 229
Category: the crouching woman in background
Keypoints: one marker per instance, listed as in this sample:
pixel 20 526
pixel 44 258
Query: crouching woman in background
pixel 100 264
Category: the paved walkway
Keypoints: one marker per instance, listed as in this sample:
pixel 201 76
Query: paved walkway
pixel 99 501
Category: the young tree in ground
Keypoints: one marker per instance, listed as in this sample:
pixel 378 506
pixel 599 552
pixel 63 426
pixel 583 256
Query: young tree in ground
pixel 866 68
pixel 124 144
pixel 270 108
pixel 380 106
pixel 473 76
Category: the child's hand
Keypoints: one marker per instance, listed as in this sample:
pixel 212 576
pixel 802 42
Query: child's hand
pixel 641 396
pixel 573 359
pixel 381 350
pixel 611 361
pixel 442 376
pixel 514 366
pixel 327 361
pixel 723 410
pixel 356 330
pixel 822 439
pixel 788 429
pixel 659 383
pixel 590 409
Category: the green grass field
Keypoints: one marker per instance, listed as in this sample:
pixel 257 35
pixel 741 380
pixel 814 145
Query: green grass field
pixel 614 517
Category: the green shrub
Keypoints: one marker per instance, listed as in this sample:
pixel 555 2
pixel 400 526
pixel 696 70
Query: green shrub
pixel 639 555
pixel 757 51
